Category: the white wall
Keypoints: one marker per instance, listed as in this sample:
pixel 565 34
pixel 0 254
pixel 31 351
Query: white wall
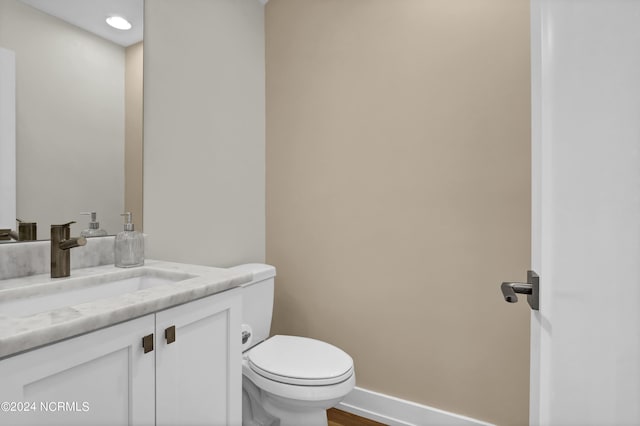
pixel 70 120
pixel 204 119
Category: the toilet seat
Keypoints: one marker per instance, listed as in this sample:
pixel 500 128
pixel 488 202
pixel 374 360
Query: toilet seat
pixel 300 361
pixel 311 394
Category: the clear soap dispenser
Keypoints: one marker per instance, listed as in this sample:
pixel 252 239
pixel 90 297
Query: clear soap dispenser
pixel 129 245
pixel 94 229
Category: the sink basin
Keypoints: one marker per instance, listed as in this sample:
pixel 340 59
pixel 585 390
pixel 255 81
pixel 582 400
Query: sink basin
pixel 73 291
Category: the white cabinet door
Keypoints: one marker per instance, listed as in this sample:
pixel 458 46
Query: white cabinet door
pixel 98 378
pixel 199 375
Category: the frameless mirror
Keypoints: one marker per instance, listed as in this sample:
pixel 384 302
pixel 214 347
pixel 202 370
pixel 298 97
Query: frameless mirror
pixel 78 110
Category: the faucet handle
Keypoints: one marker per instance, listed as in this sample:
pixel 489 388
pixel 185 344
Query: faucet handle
pixel 64 225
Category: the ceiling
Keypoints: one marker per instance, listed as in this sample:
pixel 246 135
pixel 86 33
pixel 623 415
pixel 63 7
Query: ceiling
pixel 90 15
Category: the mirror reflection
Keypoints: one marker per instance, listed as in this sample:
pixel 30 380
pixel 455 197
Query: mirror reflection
pixel 78 113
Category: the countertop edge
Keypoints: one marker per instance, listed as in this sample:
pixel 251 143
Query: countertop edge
pixel 22 334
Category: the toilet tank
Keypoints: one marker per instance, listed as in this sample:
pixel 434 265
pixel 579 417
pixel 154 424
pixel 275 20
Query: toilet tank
pixel 257 302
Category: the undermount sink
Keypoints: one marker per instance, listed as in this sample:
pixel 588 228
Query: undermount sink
pixel 74 291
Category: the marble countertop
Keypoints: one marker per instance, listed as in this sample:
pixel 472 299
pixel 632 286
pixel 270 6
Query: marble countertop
pixel 24 331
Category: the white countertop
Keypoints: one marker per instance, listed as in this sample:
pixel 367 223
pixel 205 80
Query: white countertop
pixel 20 333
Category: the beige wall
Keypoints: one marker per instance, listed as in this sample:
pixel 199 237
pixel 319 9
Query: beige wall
pixel 398 192
pixel 69 120
pixel 133 132
pixel 204 113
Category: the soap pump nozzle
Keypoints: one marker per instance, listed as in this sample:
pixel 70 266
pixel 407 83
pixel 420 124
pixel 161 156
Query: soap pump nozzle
pixel 128 226
pixel 93 223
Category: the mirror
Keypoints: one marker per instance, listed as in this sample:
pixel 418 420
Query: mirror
pixel 78 114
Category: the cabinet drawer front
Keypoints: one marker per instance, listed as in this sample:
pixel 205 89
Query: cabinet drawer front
pixel 102 377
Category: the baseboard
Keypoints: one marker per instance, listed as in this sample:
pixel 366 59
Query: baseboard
pixel 399 412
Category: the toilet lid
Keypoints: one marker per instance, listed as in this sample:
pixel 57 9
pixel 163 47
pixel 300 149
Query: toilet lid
pixel 300 361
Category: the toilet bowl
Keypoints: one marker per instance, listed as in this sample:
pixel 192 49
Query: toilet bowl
pixel 287 380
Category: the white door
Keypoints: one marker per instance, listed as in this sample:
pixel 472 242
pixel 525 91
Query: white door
pixel 585 340
pixel 7 139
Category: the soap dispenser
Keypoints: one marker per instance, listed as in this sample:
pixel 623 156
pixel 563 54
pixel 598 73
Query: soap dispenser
pixel 94 227
pixel 129 245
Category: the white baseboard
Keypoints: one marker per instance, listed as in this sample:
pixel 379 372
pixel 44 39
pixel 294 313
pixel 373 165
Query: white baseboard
pixel 399 412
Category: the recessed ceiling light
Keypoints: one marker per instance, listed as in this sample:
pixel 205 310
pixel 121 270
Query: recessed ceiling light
pixel 119 22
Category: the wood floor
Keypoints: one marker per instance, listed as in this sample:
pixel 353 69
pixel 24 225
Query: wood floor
pixel 342 418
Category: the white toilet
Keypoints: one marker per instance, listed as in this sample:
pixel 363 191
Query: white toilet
pixel 286 380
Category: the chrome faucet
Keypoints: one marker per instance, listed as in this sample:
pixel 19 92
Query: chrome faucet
pixel 61 243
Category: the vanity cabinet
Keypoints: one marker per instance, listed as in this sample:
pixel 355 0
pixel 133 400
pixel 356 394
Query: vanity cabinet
pixel 191 376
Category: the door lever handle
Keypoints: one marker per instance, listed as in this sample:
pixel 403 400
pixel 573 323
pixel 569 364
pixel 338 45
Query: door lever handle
pixel 510 289
pixel 531 288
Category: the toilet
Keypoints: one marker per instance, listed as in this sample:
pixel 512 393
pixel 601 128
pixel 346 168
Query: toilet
pixel 286 380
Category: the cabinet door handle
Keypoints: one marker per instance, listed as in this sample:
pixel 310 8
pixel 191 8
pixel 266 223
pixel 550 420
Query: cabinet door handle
pixel 147 343
pixel 170 334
